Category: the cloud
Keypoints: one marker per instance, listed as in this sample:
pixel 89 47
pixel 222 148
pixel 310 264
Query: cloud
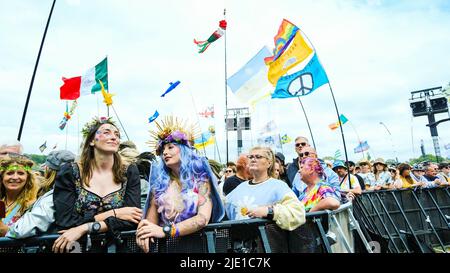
pixel 374 53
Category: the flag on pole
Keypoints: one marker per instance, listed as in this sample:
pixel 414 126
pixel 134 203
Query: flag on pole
pixel 269 128
pixel 67 114
pixel 363 146
pixel 286 32
pixel 107 97
pixel 303 82
pixel 250 82
pixel 203 45
pixel 270 141
pixel 337 154
pixel 87 84
pixel 204 140
pixel 208 112
pixel 334 126
pixel 297 52
pixel 43 147
pixel 285 139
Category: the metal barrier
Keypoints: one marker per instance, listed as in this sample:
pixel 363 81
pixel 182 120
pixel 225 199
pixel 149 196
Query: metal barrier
pixel 409 220
pixel 323 232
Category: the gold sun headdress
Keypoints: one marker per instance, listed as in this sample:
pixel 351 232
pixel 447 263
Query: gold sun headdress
pixel 173 130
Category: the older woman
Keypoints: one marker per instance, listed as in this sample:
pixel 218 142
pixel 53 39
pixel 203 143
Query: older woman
pixel 183 195
pixel 317 195
pixel 17 188
pixel 265 196
pixel 99 193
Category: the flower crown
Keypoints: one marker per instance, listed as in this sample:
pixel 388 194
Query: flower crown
pixel 91 125
pixel 11 162
pixel 172 130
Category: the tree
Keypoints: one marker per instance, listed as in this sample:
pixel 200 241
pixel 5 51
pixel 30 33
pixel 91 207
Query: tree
pixel 38 159
pixel 427 157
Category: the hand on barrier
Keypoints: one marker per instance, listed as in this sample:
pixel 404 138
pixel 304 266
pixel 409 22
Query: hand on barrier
pixel 131 214
pixel 68 238
pixel 259 212
pixel 350 196
pixel 147 231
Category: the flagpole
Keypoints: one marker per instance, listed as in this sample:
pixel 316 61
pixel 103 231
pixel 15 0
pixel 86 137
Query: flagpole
pixel 357 135
pixel 281 143
pixel 123 128
pixel 198 120
pixel 307 122
pixel 34 73
pixel 226 97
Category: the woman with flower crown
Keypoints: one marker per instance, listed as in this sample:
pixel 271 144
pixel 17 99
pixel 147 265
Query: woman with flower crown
pixel 18 188
pixel 99 193
pixel 183 196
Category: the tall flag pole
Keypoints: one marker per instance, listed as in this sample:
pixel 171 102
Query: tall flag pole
pixel 226 97
pixel 291 49
pixel 34 73
pixel 307 122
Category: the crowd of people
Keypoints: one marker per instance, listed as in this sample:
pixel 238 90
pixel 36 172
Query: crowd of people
pixel 173 191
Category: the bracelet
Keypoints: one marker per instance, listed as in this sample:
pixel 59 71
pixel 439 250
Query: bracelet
pixel 177 232
pixel 173 231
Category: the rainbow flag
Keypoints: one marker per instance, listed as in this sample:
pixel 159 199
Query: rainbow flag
pixel 286 33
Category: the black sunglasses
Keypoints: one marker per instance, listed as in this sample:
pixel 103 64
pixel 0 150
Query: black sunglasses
pixel 229 171
pixel 303 154
pixel 301 143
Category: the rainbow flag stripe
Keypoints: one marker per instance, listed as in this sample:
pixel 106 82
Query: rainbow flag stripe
pixel 286 33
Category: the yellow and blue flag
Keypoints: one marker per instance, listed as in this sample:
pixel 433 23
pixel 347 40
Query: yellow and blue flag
pixel 303 82
pixel 204 140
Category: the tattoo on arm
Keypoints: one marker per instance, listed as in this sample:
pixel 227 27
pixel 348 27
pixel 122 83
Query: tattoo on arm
pixel 204 194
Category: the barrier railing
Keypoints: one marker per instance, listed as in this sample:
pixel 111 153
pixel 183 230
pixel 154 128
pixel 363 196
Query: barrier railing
pixel 409 220
pixel 323 232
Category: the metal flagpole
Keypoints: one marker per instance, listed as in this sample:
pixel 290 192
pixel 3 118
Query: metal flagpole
pixel 357 135
pixel 307 122
pixel 34 73
pixel 123 128
pixel 226 97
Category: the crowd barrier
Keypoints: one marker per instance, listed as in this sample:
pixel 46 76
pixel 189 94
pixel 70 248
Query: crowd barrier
pixel 323 232
pixel 406 221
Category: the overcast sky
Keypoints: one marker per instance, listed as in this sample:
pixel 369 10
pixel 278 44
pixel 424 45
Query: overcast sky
pixel 374 52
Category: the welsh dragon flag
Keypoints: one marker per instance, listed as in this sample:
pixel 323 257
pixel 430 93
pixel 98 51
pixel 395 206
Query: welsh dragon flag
pixel 87 84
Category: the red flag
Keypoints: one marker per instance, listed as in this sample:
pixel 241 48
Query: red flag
pixel 70 90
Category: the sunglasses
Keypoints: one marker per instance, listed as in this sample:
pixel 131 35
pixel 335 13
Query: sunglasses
pixel 300 143
pixel 229 171
pixel 304 154
pixel 251 157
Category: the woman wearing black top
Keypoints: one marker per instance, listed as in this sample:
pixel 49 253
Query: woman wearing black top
pixel 99 193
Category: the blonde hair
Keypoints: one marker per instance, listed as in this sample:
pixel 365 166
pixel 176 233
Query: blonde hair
pixel 270 156
pixel 28 193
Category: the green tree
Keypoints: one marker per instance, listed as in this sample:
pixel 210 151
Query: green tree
pixel 38 159
pixel 427 157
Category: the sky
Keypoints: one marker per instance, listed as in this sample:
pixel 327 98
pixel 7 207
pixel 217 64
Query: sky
pixel 374 53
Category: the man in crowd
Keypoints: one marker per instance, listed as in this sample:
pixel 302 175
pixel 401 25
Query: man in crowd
pixel 11 146
pixel 292 168
pixel 444 172
pixel 431 171
pixel 366 174
pixel 242 174
pixel 352 170
pixel 348 190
